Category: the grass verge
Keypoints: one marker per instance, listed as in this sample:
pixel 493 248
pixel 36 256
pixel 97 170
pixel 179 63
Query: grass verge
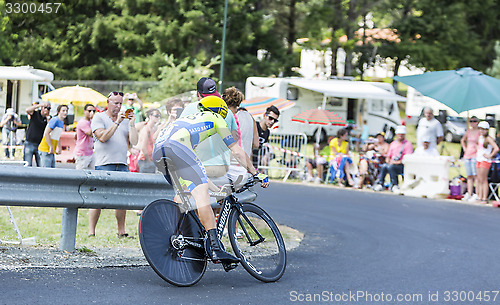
pixel 45 225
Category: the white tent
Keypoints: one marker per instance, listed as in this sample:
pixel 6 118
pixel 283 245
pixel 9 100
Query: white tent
pixel 347 89
pixel 25 73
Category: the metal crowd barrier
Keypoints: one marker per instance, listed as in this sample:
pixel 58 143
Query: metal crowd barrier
pixel 283 155
pixel 73 189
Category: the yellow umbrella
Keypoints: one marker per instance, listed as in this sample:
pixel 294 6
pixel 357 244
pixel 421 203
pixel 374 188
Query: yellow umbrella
pixel 76 95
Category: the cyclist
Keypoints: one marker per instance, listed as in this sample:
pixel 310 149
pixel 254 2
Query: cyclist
pixel 177 142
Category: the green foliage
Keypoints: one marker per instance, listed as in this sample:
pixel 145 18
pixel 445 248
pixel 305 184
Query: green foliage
pixel 442 35
pixel 495 68
pixel 128 39
pixel 177 78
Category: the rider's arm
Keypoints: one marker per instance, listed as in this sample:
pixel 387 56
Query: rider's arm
pixel 242 158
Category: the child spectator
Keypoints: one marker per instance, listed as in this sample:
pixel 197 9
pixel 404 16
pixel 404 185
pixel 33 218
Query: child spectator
pixel 486 150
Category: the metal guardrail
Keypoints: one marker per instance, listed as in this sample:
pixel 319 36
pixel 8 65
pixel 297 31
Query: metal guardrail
pixel 283 154
pixel 74 189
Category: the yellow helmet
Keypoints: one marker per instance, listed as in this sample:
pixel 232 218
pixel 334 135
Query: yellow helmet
pixel 214 104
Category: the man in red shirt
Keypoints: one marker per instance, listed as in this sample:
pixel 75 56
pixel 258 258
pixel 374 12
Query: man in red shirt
pixel 394 160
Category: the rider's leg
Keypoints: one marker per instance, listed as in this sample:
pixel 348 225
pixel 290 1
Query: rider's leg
pixel 207 219
pixel 202 199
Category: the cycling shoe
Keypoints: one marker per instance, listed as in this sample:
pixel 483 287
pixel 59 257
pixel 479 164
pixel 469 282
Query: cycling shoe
pixel 214 250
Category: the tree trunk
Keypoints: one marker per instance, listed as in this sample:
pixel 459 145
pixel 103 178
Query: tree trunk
pixel 290 38
pixel 396 69
pixel 336 24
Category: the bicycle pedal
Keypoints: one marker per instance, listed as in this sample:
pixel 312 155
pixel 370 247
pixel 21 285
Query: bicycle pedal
pixel 229 267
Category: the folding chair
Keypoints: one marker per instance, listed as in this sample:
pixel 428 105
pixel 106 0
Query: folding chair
pixel 494 180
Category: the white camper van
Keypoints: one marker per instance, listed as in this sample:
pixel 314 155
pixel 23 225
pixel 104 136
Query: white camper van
pixel 20 87
pixel 352 100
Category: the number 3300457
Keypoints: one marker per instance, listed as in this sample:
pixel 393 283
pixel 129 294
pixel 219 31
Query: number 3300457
pixel 31 8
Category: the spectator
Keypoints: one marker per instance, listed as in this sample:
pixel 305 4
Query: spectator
pixel 428 126
pixel 146 142
pixel 39 114
pixel 174 107
pixel 359 136
pixel 262 155
pixel 10 122
pixel 381 146
pixel 70 118
pixel 318 163
pixel 84 152
pixel 365 132
pixel 486 151
pixel 41 91
pixel 247 137
pixel 213 153
pixel 50 143
pixel 114 132
pixel 469 146
pixel 426 150
pixel 367 163
pixel 339 148
pixel 394 160
pixel 131 99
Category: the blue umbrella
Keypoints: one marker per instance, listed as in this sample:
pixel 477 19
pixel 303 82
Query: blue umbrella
pixel 461 90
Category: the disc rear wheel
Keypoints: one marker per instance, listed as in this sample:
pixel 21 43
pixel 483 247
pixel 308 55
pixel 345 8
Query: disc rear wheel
pixel 169 240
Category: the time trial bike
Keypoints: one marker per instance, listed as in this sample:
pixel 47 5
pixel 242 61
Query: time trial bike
pixel 173 239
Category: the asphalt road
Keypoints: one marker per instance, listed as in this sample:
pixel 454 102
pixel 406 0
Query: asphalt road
pixel 359 248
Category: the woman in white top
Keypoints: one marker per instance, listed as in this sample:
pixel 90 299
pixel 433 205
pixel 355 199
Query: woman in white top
pixel 486 150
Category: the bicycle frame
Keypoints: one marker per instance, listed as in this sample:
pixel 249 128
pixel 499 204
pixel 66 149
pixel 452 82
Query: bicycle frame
pixel 230 202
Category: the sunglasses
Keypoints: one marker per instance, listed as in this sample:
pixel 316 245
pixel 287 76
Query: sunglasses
pixel 157 115
pixel 473 121
pixel 48 108
pixel 115 93
pixel 275 120
pixel 93 110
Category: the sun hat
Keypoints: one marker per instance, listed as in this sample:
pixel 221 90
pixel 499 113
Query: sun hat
pixel 401 130
pixel 483 125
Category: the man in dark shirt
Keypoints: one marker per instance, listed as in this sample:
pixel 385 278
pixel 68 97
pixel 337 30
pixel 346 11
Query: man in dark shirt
pixel 38 120
pixel 261 156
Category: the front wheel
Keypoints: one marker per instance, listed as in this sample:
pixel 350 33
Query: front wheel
pixel 172 242
pixel 257 241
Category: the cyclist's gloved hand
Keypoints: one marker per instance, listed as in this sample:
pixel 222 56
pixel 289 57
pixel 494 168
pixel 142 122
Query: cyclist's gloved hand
pixel 262 177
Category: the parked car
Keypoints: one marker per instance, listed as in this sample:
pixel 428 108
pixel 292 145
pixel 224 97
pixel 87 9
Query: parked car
pixel 454 128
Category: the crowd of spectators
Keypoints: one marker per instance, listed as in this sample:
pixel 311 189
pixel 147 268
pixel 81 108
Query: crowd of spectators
pixel 380 165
